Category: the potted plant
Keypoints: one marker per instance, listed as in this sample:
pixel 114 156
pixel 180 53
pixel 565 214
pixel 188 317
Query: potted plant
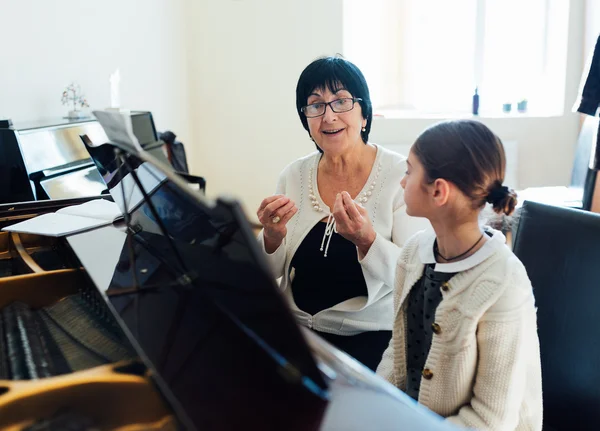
pixel 74 98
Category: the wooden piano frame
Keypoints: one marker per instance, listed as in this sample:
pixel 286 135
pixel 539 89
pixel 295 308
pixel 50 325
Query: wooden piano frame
pixel 118 396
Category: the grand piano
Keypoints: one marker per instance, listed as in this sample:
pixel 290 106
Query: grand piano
pixel 168 319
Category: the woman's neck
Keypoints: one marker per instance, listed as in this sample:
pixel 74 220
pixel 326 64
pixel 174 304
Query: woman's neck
pixel 349 163
pixel 456 239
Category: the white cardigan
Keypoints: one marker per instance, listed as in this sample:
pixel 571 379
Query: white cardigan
pixel 387 213
pixel 486 359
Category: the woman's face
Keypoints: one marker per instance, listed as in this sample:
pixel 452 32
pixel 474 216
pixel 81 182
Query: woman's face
pixel 334 132
pixel 416 194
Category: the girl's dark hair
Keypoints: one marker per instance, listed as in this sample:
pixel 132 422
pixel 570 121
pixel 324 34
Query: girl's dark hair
pixel 334 73
pixel 468 154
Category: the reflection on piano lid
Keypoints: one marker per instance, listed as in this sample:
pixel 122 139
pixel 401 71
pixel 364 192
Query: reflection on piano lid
pixel 82 182
pixel 206 314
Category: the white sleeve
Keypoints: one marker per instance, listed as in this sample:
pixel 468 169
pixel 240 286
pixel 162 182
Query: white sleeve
pixel 379 264
pixel 276 259
pixel 385 368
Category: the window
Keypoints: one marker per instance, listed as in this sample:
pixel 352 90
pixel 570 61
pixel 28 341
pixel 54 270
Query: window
pixel 430 55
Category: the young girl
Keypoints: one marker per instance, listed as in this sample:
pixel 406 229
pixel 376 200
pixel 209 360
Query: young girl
pixel 464 340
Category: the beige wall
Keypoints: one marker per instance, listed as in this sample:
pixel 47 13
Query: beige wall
pixel 46 44
pixel 246 57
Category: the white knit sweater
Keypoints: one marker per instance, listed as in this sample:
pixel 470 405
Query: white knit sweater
pixel 388 216
pixel 486 359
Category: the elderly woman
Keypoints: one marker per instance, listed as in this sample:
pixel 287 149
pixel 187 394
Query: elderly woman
pixel 313 235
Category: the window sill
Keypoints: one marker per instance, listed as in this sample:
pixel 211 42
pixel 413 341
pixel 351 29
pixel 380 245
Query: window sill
pixel 390 114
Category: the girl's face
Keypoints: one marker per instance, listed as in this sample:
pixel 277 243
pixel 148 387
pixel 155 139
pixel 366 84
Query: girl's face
pixel 436 200
pixel 417 195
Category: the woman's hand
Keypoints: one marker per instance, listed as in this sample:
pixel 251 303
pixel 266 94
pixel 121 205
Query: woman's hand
pixel 353 223
pixel 273 213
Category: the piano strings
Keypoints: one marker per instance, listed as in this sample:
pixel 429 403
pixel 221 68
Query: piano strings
pixel 76 333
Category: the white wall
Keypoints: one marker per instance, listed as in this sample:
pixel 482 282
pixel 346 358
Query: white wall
pixel 592 25
pixel 47 44
pixel 245 59
pixel 222 74
pixel 545 145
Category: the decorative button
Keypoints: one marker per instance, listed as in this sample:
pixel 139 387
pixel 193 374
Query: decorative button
pixel 437 329
pixel 427 374
pixel 445 286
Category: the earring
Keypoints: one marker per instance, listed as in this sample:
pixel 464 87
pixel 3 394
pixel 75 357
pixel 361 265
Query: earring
pixel 364 129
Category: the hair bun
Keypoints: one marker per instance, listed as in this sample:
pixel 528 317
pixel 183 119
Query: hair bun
pixel 502 198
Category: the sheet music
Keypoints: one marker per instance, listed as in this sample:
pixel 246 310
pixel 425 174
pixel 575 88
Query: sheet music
pixel 56 224
pixel 118 127
pixel 119 130
pixel 70 220
pixel 97 208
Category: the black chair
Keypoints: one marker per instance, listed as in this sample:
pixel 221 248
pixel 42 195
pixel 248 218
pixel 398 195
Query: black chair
pixel 560 248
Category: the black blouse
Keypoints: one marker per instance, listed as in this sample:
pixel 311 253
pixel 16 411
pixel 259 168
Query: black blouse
pixel 423 301
pixel 321 282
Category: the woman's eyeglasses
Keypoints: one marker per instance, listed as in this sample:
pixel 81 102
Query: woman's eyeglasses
pixel 338 106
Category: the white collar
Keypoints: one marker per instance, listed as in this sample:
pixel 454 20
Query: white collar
pixel 492 244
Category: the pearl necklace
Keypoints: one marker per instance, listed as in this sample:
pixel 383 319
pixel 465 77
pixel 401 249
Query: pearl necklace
pixel 361 198
pixel 330 228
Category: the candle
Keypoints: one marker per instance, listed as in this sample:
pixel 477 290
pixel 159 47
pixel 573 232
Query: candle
pixel 115 100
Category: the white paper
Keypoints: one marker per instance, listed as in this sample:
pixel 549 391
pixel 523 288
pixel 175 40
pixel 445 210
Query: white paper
pixel 57 224
pixel 99 251
pixel 118 128
pixel 97 208
pixel 70 220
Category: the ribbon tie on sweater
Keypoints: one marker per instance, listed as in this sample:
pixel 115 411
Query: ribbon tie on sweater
pixel 329 230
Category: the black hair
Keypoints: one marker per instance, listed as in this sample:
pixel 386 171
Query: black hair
pixel 334 73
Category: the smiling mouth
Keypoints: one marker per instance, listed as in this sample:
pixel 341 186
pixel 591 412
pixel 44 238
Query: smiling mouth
pixel 332 132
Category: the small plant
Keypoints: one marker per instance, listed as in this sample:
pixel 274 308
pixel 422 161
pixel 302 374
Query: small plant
pixel 74 98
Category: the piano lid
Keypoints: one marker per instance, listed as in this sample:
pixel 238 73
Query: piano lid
pixel 197 299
